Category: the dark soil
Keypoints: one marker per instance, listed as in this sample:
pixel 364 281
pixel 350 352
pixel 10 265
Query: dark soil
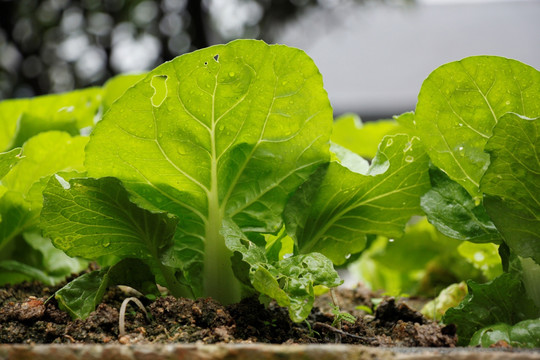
pixel 27 317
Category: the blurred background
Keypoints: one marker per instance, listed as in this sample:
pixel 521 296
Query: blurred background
pixel 373 54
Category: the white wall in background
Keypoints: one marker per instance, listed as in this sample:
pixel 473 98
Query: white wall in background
pixel 374 58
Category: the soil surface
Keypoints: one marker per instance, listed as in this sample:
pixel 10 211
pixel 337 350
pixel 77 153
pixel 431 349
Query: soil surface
pixel 28 314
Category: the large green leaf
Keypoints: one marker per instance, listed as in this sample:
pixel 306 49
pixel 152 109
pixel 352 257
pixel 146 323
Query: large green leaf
pixel 454 212
pixel 461 102
pixel 227 131
pixel 92 218
pixel 20 119
pixel 512 182
pixel 333 211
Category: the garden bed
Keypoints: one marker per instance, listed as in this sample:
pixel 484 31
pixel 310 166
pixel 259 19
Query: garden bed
pixel 28 318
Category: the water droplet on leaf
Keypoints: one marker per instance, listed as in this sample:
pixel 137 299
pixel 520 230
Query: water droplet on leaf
pixel 389 142
pixel 409 159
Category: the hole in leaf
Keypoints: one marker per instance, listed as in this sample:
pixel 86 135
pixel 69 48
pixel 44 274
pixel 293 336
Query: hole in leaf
pixel 159 84
pixel 216 57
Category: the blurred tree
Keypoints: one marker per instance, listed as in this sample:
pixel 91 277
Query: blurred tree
pixel 51 46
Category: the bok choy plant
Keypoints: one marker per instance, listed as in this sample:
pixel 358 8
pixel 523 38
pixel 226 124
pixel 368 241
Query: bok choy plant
pixel 222 173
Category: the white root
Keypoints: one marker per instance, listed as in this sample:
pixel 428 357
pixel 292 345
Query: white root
pixel 122 317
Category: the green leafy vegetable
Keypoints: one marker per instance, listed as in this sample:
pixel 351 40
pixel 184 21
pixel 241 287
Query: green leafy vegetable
pixel 201 137
pixel 512 182
pixel 216 174
pixel 460 103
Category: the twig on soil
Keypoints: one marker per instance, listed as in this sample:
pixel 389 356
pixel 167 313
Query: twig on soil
pixel 341 332
pixel 122 317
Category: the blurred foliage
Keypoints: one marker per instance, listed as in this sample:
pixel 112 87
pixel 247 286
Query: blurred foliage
pixel 423 262
pixel 51 46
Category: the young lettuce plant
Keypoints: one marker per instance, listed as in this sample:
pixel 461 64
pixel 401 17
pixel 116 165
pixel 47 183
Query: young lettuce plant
pixel 198 167
pixel 478 119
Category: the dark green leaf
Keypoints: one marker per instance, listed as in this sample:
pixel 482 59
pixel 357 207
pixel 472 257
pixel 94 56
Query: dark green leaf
pixel 81 296
pixel 454 212
pixel 502 300
pixel 21 119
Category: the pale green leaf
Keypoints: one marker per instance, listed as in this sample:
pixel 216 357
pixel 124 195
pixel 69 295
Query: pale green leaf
pixel 461 102
pixel 20 119
pixel 227 131
pixel 117 86
pixel 7 160
pixel 332 212
pixel 44 155
pixel 362 138
pixel 512 182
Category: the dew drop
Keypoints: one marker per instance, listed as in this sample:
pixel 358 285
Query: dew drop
pixel 348 256
pixel 221 127
pixel 460 124
pixel 391 240
pixel 508 102
pixel 231 74
pixel 389 142
pixel 106 243
pixel 181 149
pixel 409 159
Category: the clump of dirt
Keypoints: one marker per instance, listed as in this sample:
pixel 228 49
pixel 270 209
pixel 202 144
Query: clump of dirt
pixel 29 314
